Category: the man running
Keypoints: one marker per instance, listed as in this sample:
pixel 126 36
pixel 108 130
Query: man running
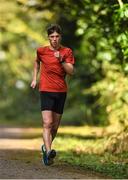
pixel 56 61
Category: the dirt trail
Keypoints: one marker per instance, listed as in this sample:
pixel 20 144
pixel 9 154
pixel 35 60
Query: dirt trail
pixel 18 160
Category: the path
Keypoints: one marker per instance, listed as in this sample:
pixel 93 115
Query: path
pixel 20 158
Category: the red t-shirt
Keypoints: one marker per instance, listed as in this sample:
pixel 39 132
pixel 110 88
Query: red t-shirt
pixel 52 74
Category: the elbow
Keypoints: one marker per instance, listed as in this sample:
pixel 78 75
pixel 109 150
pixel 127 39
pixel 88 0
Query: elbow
pixel 71 72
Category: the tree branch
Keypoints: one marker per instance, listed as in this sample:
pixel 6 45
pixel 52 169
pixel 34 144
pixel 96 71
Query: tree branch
pixel 120 3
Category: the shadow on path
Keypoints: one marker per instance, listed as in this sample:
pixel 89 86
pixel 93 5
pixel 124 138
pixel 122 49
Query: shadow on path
pixel 20 158
pixel 26 164
pixel 30 133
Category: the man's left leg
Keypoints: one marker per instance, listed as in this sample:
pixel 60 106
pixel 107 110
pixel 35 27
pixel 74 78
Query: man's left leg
pixel 57 113
pixel 56 123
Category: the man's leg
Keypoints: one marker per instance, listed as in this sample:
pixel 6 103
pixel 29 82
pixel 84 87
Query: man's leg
pixel 47 128
pixel 56 123
pixel 59 106
pixel 48 154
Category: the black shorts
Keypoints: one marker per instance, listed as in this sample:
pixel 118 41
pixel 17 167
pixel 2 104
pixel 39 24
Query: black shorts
pixel 53 101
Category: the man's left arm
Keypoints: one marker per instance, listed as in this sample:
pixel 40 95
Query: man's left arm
pixel 68 67
pixel 68 62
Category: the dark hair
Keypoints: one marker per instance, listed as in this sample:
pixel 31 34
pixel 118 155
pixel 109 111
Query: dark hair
pixel 54 28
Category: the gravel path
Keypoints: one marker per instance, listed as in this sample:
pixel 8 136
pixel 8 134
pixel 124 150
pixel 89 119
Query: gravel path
pixel 18 159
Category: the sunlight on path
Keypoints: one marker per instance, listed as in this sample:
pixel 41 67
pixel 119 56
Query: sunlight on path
pixel 33 144
pixel 20 138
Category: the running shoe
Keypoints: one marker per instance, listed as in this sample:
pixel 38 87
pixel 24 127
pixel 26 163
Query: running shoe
pixel 44 158
pixel 51 155
pixel 48 157
pixel 43 148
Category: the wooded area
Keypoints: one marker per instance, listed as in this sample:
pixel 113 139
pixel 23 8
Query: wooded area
pixel 97 31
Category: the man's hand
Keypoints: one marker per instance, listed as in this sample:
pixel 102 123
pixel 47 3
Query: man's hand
pixel 58 56
pixel 33 84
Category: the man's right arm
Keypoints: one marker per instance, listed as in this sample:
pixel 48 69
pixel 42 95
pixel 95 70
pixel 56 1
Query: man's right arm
pixel 35 72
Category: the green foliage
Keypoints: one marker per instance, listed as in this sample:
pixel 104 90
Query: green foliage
pixel 19 39
pixel 104 46
pixel 118 143
pixel 72 116
pixel 95 30
pixel 112 92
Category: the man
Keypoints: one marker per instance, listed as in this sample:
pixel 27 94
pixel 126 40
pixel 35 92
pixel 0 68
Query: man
pixel 56 61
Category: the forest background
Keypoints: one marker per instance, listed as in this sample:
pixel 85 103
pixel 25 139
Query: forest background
pixel 96 31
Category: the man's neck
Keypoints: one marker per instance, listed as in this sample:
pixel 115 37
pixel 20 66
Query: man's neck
pixel 55 48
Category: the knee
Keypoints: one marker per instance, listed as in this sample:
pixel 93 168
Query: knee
pixel 47 124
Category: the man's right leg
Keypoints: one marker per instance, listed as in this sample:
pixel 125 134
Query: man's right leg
pixel 47 128
pixel 49 154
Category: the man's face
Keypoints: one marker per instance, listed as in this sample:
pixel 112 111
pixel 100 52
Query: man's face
pixel 54 39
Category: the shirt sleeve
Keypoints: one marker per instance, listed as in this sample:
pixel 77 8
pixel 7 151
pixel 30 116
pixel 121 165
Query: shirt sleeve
pixel 69 57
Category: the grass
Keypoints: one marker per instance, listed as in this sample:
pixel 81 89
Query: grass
pixel 81 147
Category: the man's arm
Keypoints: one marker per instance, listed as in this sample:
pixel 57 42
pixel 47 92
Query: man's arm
pixel 68 67
pixel 35 72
